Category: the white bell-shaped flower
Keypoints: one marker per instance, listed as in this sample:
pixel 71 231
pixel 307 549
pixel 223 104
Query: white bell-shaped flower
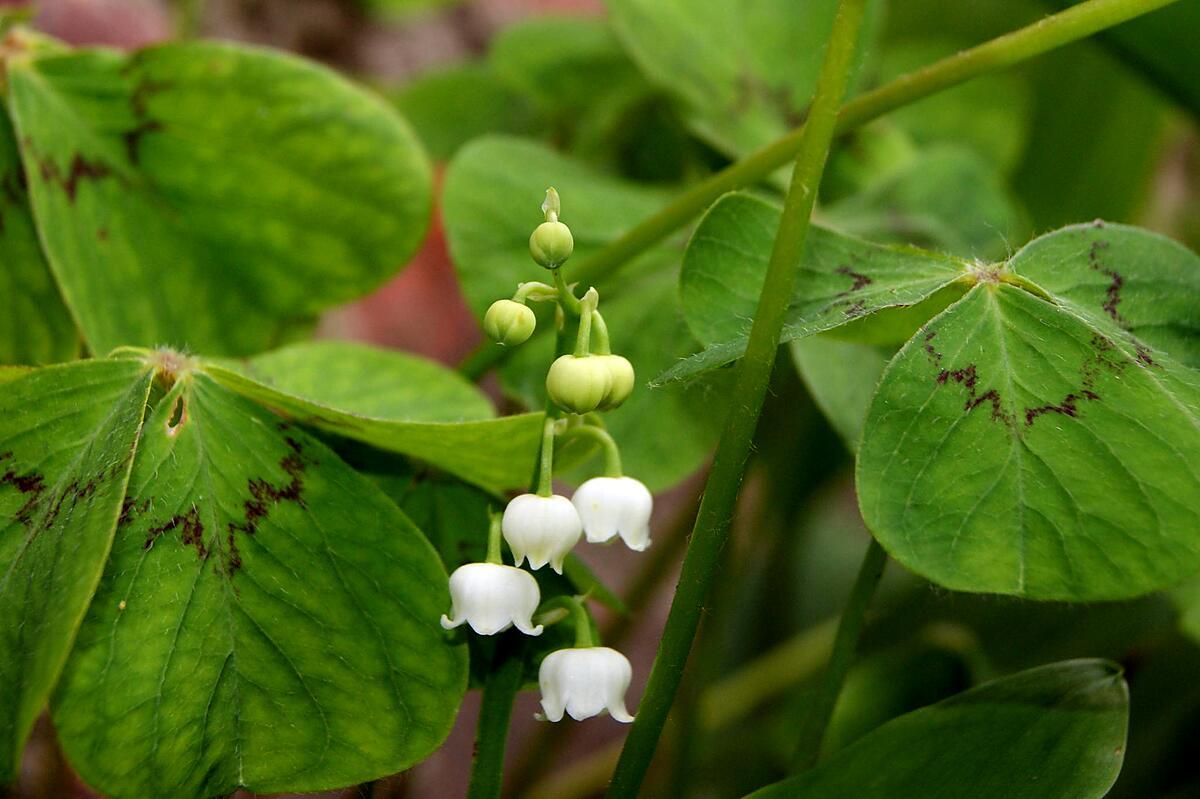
pixel 610 506
pixel 585 682
pixel 491 598
pixel 541 529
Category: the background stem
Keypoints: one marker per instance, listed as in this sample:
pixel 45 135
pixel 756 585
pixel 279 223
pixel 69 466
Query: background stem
pixel 812 729
pixel 495 712
pixel 754 371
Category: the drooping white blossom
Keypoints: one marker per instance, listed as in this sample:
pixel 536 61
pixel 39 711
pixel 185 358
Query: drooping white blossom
pixel 611 506
pixel 491 597
pixel 585 682
pixel 541 529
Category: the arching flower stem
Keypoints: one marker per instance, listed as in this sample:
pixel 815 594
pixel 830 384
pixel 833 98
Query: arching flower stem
pixel 612 453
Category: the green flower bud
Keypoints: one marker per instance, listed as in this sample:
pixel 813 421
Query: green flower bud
pixel 623 379
pixel 578 384
pixel 508 322
pixel 551 244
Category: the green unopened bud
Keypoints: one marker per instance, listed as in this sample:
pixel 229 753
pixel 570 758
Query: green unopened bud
pixel 551 244
pixel 509 323
pixel 620 370
pixel 578 384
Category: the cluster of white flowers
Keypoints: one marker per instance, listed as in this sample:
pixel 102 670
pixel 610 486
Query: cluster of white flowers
pixel 542 528
pixel 583 681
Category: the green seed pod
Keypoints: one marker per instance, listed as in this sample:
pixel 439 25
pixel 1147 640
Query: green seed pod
pixel 623 379
pixel 578 384
pixel 508 322
pixel 551 244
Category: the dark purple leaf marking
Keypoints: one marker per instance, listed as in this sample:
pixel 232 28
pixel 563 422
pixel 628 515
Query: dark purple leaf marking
pixel 1112 295
pixel 968 378
pixel 264 496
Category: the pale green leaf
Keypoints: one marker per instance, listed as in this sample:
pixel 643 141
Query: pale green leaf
pixel 493 453
pixel 67 438
pixel 209 196
pixel 35 327
pixel 369 381
pixel 267 619
pixel 1053 732
pixel 1015 447
pixel 1122 279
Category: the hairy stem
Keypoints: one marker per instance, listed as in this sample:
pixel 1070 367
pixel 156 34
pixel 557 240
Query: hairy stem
pixel 812 730
pixel 1054 31
pixel 716 509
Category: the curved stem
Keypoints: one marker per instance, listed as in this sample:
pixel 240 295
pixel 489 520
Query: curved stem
pixel 812 730
pixel 583 625
pixel 612 453
pixel 721 492
pixel 1049 33
pixel 536 291
pixel 545 486
pixel 566 298
pixel 491 736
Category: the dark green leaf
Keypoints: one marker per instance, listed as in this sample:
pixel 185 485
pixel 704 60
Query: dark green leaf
pixel 35 327
pixel 841 280
pixel 989 114
pixel 268 618
pixel 1054 732
pixel 67 438
pixel 1015 446
pixel 1108 172
pixel 947 198
pixel 491 198
pixel 1160 46
pixel 743 71
pixel 212 197
pixel 841 376
pixel 450 107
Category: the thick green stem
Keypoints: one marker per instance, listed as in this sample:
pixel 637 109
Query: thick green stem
pixel 491 736
pixel 545 486
pixel 721 492
pixel 1049 33
pixel 812 730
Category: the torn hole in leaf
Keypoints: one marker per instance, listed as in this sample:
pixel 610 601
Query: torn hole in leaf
pixel 178 415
